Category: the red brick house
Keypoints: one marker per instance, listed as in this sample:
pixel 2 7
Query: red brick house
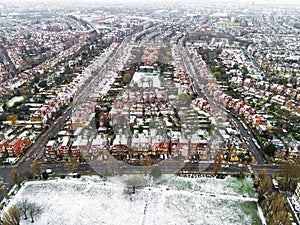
pixel 15 147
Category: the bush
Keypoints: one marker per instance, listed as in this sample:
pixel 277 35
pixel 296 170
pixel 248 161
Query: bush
pixel 78 175
pixel 45 175
pixel 156 172
pixel 261 198
pixel 270 149
pixel 240 176
pixel 221 176
pixel 63 176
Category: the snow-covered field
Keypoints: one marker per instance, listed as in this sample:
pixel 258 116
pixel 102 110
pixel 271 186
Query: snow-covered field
pixel 171 200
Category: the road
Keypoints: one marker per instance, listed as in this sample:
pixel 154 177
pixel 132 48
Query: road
pixel 167 167
pixel 248 138
pixel 243 129
pixel 24 163
pixel 271 169
pixel 95 81
pixel 108 63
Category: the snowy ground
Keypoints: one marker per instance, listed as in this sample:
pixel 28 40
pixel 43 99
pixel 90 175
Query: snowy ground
pixel 171 200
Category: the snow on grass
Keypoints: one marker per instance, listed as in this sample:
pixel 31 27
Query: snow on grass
pixel 241 186
pixel 229 185
pixel 170 200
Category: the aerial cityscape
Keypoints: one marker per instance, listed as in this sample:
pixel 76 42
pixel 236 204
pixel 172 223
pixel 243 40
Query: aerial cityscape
pixel 150 112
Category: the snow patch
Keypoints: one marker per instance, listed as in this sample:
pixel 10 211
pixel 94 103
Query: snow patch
pixel 93 200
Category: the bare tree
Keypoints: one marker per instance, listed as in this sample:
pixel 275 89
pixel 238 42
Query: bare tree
pixel 12 216
pixel 34 210
pixel 288 176
pixel 274 209
pixel 16 176
pixel 218 162
pixel 111 165
pixel 166 59
pixel 127 78
pixel 133 182
pixel 147 164
pixel 265 182
pixel 24 207
pixel 36 168
pixel 3 189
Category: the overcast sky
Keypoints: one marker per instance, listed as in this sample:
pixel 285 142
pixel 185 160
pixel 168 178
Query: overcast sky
pixel 153 1
pixel 64 4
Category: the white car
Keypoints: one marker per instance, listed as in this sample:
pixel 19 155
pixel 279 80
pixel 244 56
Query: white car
pixel 49 171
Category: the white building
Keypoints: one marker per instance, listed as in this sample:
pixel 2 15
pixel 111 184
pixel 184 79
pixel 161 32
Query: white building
pixel 296 198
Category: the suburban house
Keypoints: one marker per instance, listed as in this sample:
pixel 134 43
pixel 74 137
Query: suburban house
pixel 17 146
